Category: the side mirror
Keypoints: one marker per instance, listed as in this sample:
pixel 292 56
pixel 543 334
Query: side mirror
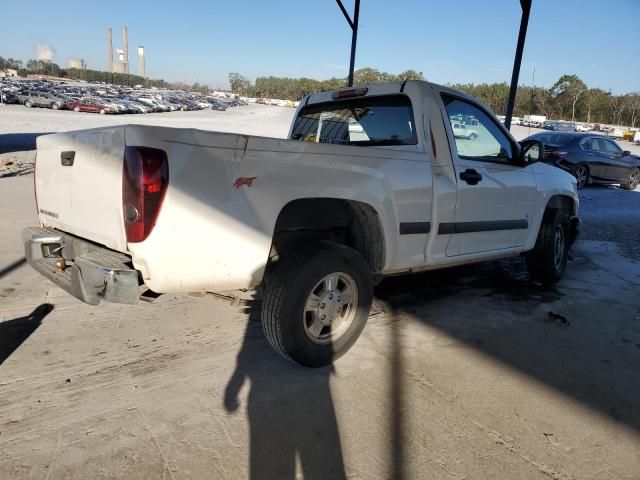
pixel 531 151
pixel 625 153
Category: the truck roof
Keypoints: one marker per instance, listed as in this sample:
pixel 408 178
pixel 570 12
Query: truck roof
pixel 374 89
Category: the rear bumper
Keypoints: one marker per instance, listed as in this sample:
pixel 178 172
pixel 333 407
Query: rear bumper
pixel 92 273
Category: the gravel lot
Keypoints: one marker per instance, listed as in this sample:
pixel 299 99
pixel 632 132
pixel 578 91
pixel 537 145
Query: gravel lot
pixel 463 373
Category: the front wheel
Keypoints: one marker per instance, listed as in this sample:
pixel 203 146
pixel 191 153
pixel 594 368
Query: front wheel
pixel 316 303
pixel 55 106
pixel 632 181
pixel 102 111
pixel 548 260
pixel 581 172
pixel 76 109
pixel 28 104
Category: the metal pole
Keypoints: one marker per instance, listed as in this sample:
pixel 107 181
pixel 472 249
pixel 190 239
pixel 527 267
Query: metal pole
pixel 524 22
pixel 354 40
pixel 354 35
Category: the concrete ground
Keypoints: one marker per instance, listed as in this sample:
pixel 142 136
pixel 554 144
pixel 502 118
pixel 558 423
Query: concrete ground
pixel 463 373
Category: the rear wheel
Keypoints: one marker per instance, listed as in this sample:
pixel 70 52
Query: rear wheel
pixel 632 181
pixel 547 261
pixel 473 136
pixel 76 109
pixel 28 104
pixel 316 303
pixel 102 111
pixel 581 172
pixel 55 106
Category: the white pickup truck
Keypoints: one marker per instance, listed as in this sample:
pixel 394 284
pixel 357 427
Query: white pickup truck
pixel 371 182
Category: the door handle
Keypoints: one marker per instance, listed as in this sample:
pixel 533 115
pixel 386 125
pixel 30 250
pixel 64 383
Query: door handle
pixel 470 176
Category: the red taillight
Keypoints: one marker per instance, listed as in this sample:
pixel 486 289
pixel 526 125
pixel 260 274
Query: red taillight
pixel 145 178
pixel 555 155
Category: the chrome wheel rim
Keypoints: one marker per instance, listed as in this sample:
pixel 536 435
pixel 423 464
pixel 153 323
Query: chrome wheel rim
pixel 558 247
pixel 581 176
pixel 634 179
pixel 330 308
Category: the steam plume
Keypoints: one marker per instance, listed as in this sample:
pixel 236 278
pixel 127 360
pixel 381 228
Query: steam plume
pixel 45 52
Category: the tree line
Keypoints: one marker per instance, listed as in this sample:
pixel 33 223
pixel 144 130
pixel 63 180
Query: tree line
pixel 569 98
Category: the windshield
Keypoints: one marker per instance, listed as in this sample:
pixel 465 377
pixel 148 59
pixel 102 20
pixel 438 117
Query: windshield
pixel 369 121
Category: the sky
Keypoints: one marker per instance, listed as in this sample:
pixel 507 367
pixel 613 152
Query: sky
pixel 461 41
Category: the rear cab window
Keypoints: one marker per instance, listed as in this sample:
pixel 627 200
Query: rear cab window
pixel 366 121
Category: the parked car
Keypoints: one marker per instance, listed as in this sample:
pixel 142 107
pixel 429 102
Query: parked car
pixel 583 127
pixel 591 158
pixel 615 132
pixel 41 99
pixel 563 127
pixel 10 97
pixel 628 135
pixel 315 224
pixel 460 130
pixel 89 105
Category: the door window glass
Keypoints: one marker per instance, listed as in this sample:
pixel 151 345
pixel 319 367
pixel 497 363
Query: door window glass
pixel 611 147
pixel 591 144
pixel 476 135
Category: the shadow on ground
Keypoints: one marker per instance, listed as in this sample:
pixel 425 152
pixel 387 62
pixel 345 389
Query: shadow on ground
pixel 585 349
pixel 290 413
pixel 18 142
pixel 555 336
pixel 13 266
pixel 14 332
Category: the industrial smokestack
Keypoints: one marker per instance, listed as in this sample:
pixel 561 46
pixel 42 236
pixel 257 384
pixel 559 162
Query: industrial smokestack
pixel 141 61
pixel 125 47
pixel 109 50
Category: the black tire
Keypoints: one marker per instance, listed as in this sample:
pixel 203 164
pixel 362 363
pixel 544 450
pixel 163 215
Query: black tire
pixel 55 106
pixel 76 109
pixel 102 111
pixel 548 260
pixel 632 181
pixel 28 104
pixel 291 282
pixel 581 172
pixel 473 136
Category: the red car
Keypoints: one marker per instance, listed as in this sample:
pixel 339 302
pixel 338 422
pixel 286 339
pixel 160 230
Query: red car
pixel 88 105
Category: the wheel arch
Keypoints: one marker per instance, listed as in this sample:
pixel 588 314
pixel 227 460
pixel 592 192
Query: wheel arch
pixel 349 222
pixel 562 202
pixel 569 205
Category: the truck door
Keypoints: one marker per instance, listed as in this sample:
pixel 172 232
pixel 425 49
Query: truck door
pixel 495 197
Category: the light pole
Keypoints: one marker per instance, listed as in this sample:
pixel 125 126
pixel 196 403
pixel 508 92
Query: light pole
pixel 354 35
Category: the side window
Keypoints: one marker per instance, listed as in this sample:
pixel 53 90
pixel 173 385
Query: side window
pixel 611 147
pixel 590 144
pixel 476 135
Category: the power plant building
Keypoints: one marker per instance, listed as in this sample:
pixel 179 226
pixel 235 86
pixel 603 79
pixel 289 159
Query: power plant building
pixel 121 65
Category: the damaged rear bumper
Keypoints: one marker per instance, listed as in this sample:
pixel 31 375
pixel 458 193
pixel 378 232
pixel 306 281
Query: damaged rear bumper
pixel 87 271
